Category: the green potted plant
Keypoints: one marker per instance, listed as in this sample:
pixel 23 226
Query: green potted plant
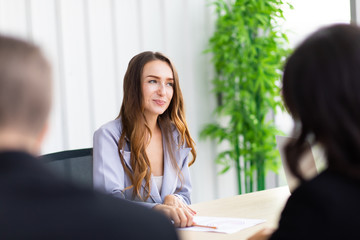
pixel 248 48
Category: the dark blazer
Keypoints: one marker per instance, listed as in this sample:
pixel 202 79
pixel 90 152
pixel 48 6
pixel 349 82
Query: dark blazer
pixel 34 204
pixel 327 207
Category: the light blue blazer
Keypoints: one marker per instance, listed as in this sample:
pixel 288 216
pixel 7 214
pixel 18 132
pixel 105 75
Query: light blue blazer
pixel 110 177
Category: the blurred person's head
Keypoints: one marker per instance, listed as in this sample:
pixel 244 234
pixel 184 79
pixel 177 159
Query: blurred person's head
pixel 321 90
pixel 25 95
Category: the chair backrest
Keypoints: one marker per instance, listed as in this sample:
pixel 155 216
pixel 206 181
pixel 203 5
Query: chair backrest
pixel 73 165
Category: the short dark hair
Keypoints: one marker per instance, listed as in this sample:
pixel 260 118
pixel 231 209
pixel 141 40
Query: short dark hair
pixel 25 86
pixel 321 90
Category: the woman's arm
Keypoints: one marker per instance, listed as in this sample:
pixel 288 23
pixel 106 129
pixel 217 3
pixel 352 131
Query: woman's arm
pixel 108 172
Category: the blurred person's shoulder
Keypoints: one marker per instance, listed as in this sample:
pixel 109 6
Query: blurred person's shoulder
pixel 36 204
pixel 130 220
pixel 322 208
pixel 330 185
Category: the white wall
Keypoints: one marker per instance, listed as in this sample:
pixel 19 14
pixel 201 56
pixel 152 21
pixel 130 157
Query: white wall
pixel 90 42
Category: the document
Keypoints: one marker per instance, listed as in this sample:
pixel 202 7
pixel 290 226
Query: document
pixel 222 225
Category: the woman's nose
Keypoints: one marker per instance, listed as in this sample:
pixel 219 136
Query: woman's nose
pixel 161 89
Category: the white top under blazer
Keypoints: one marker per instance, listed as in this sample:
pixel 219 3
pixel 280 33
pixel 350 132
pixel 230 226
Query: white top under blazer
pixel 110 177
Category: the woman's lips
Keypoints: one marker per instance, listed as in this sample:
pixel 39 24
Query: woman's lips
pixel 160 102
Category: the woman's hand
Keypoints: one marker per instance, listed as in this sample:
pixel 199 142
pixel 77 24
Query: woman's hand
pixel 263 234
pixel 180 216
pixel 172 200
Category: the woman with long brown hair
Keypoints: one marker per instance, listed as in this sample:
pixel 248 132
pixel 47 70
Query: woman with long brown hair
pixel 143 155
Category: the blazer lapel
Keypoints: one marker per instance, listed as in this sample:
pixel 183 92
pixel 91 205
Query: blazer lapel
pixel 170 175
pixel 154 194
pixel 170 179
pixel 126 155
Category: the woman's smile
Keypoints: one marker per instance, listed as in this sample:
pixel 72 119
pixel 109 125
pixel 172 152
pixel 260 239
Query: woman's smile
pixel 159 102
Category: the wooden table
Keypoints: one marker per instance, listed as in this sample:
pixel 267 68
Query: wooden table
pixel 265 204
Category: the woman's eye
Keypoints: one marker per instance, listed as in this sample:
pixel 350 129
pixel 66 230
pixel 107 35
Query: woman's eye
pixel 170 84
pixel 152 81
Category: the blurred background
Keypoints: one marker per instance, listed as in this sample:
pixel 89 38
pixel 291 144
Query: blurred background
pixel 90 42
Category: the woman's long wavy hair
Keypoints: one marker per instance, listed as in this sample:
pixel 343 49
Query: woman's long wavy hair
pixel 321 90
pixel 135 127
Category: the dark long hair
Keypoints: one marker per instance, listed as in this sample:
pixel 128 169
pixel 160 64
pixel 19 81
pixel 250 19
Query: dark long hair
pixel 135 127
pixel 321 90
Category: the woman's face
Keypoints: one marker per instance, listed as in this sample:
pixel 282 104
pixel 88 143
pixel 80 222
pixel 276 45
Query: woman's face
pixel 157 86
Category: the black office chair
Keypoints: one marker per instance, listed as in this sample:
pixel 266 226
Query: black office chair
pixel 74 165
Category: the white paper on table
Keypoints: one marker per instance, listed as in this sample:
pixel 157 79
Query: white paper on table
pixel 224 225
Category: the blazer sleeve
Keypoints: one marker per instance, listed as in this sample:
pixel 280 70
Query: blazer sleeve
pixel 184 191
pixel 108 172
